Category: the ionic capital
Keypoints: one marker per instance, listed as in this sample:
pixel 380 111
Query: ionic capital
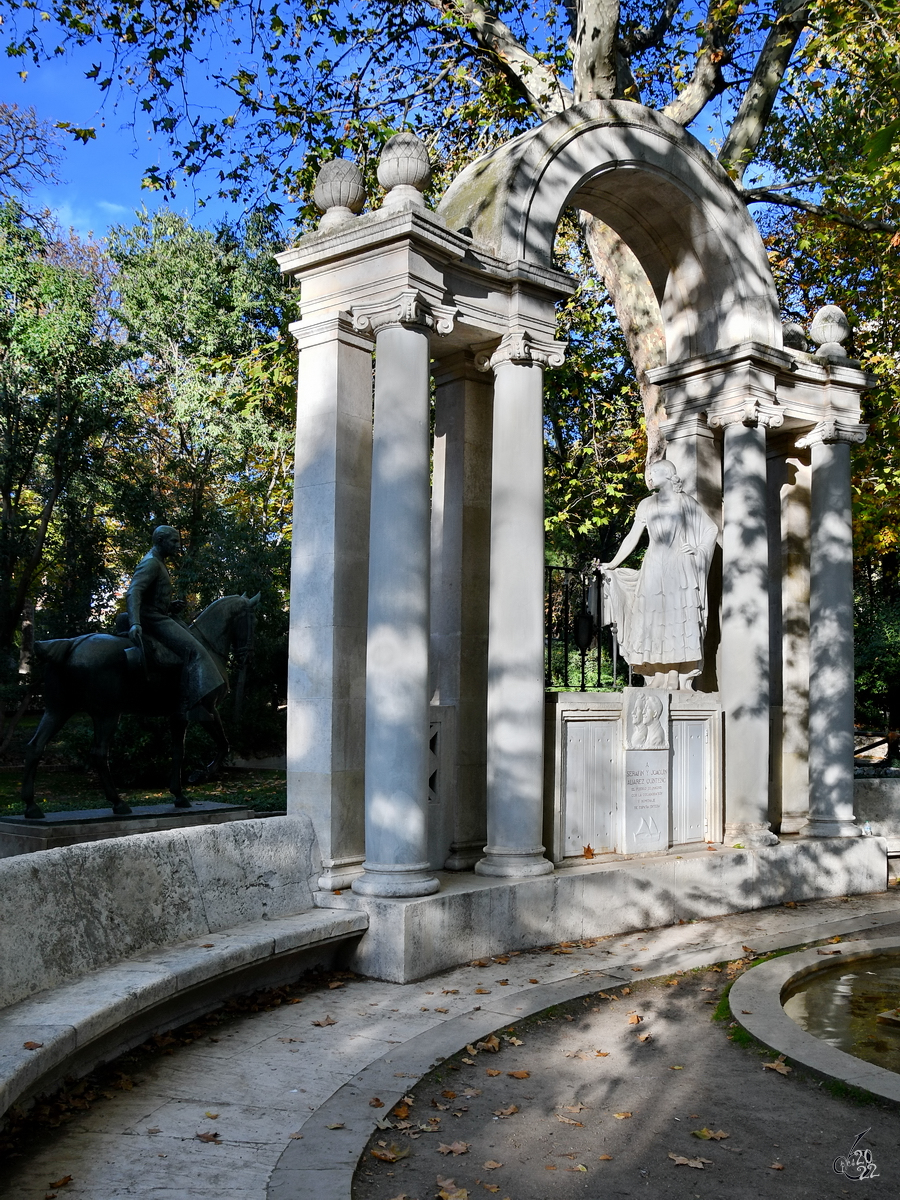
pixel 518 346
pixel 750 413
pixel 410 309
pixel 831 431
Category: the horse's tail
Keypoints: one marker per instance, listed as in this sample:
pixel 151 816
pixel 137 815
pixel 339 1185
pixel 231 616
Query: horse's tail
pixel 56 651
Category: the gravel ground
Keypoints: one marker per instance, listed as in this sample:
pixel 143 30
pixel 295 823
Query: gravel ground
pixel 595 1097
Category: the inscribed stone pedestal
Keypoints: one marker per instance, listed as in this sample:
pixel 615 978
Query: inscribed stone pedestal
pixel 646 800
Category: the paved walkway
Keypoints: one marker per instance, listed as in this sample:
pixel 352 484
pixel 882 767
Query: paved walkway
pixel 268 1084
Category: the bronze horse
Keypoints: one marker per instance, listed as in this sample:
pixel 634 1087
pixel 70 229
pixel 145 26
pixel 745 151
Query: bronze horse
pixel 104 676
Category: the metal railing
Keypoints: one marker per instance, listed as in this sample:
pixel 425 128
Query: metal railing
pixel 579 654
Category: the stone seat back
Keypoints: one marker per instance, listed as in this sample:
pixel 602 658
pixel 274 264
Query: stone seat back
pixel 66 912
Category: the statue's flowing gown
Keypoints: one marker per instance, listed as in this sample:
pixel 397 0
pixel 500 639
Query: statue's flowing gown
pixel 659 611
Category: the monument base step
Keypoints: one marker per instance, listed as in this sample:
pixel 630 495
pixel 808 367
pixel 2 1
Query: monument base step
pixel 24 835
pixel 476 916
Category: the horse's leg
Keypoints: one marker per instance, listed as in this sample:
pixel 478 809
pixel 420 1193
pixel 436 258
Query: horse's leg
pixel 50 724
pixel 212 725
pixel 105 725
pixel 178 727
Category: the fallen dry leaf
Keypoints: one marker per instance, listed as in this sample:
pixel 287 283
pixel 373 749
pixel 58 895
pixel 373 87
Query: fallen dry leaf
pixel 445 1183
pixel 491 1043
pixel 502 982
pixel 211 1136
pixel 491 1187
pixel 577 1167
pixel 482 991
pixel 64 1182
pixel 336 1125
pixel 490 1165
pixel 335 983
pixel 206 945
pixel 491 1071
pixel 605 1158
pixel 747 950
pixel 296 1137
pixel 442 1010
pixel 634 1019
pixel 470 1062
pixel 514 1041
pixel 472 1092
pixel 450 992
pixel 645 1037
pixel 212 1116
pixel 601 1054
pixel 401 1110
pixel 448 1095
pixel 154 1129
pixel 778 1065
pixel 637 968
pixel 707 1135
pixel 519 1074
pixel 569 1121
pixel 454 1148
pixel 534 981
pixel 827 952
pixel 680 1161
pixel 456 1194
pixel 34 1046
pixel 579 1107
pixel 587 851
pixel 437 1104
pixel 506 1112
pixel 326 1020
pixel 390 1154
pixel 375 1102
pixel 676 1068
pixel 621 1116
pixel 779 1167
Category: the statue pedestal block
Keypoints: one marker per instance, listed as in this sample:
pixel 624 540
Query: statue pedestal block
pixel 646 801
pixel 19 835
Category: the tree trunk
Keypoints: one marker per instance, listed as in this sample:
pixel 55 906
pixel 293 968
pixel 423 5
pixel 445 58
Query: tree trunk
pixel 637 310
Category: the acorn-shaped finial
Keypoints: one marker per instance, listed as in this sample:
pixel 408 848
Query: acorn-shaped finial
pixel 340 192
pixel 829 329
pixel 404 170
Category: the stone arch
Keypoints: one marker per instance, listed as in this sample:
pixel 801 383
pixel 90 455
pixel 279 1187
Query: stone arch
pixel 659 189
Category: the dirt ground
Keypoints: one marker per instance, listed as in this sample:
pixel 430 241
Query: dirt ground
pixel 600 1098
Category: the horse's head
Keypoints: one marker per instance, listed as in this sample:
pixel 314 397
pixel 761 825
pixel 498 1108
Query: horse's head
pixel 229 625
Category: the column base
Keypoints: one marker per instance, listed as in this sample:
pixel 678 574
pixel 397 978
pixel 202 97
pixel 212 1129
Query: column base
pixel 820 827
pixel 751 836
pixel 396 882
pixel 508 864
pixel 339 875
pixel 464 855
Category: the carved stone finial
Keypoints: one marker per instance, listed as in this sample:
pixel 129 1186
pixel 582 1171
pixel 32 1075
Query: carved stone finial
pixel 404 170
pixel 794 337
pixel 829 329
pixel 340 192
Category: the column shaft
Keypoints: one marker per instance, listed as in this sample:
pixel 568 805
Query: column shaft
pixel 329 575
pixel 460 572
pixel 515 706
pixel 831 646
pixel 397 654
pixel 744 682
pixel 795 523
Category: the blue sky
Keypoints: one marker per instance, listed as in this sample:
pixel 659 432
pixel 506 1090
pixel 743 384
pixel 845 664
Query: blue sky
pixel 101 181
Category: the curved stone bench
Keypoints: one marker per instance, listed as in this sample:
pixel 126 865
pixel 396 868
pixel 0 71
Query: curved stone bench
pixel 105 943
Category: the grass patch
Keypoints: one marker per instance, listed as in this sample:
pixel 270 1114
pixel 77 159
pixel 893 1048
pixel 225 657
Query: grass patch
pixel 69 791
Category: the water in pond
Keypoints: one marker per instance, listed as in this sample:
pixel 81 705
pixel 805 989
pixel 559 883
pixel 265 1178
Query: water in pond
pixel 840 1006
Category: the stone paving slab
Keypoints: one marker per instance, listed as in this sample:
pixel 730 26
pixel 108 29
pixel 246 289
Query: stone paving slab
pixel 385 1036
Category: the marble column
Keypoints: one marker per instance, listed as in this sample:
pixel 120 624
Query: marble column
pixel 795 522
pixel 831 632
pixel 396 782
pixel 329 575
pixel 515 701
pixel 460 573
pixel 744 681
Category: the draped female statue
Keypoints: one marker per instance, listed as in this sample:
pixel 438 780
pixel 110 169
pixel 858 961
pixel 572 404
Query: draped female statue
pixel 659 611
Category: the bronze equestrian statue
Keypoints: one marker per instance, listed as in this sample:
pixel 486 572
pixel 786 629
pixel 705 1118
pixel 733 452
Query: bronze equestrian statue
pixel 170 670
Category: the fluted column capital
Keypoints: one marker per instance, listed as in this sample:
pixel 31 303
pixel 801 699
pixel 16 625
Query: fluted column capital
pixel 833 431
pixel 750 413
pixel 522 348
pixel 409 309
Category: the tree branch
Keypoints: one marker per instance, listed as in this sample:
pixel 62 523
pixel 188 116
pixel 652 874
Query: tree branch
pixel 706 80
pixel 759 97
pixel 763 195
pixel 643 38
pixel 594 62
pixel 545 93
